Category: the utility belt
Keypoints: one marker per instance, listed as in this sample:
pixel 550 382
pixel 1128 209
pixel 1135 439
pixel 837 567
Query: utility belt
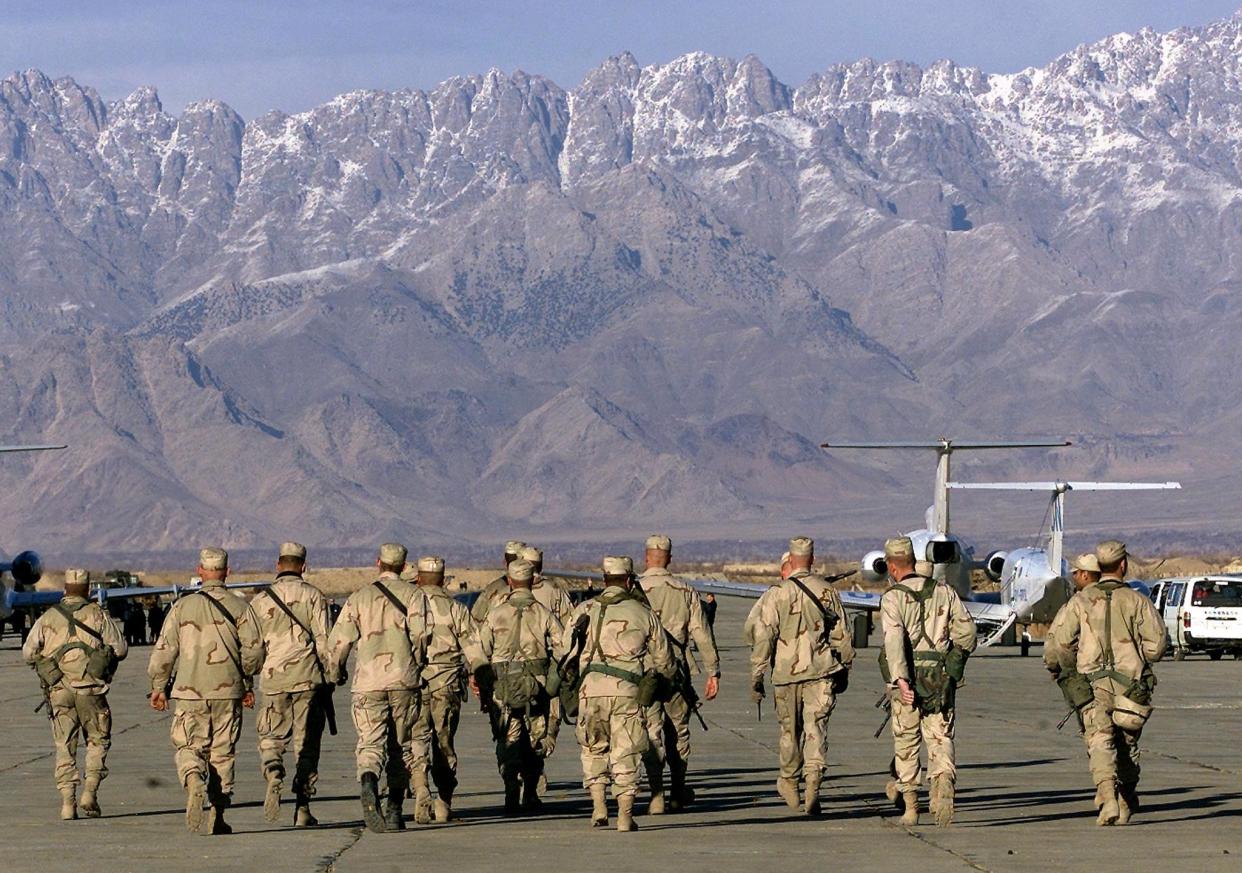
pixel 518 685
pixel 1132 707
pixel 936 676
pixel 649 683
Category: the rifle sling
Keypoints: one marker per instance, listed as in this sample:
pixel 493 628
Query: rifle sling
pixel 310 637
pixel 75 625
pixel 392 598
pixel 829 621
pixel 228 616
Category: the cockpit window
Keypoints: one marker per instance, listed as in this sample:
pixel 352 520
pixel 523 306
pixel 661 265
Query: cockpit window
pixel 1209 593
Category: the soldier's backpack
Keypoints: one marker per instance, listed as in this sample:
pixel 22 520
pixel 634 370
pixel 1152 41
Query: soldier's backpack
pixel 517 684
pixel 101 660
pixel 936 673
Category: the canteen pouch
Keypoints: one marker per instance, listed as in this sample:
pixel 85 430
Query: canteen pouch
pixel 955 663
pixel 49 672
pixel 1129 714
pixel 1076 689
pixel 934 689
pixel 517 685
pixel 1140 690
pixel 649 688
pixel 552 682
pixel 101 663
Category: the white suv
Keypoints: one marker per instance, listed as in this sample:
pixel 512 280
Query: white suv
pixel 1201 614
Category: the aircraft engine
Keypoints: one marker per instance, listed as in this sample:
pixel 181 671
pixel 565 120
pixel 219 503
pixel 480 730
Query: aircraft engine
pixel 873 566
pixel 994 565
pixel 27 569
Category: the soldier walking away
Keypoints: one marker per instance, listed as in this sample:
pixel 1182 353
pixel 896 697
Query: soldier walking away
pixel 74 648
pixel 384 694
pixel 207 652
pixel 624 659
pixel 1110 635
pixel 927 637
pixel 680 612
pixel 801 631
pixel 553 596
pixel 498 588
pixel 296 697
pixel 441 625
pixel 520 641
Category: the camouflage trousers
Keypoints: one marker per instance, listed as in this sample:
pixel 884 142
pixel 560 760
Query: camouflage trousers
pixel 668 734
pixel 521 739
pixel 803 709
pixel 910 730
pixel 84 716
pixel 432 737
pixel 291 719
pixel 205 735
pixel 1113 752
pixel 612 732
pixel 384 720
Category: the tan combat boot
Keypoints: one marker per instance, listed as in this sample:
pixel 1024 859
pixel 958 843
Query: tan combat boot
pixel 90 798
pixel 656 779
pixel 444 807
pixel 811 795
pixel 422 798
pixel 69 803
pixel 1106 802
pixel 680 794
pixel 302 817
pixel 599 805
pixel 1127 802
pixel 271 800
pixel 195 797
pixel 893 792
pixel 625 813
pixel 788 789
pixel 910 817
pixel 216 825
pixel 942 800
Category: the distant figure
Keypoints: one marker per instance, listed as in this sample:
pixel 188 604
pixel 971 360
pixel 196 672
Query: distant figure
pixel 155 620
pixel 497 589
pixel 135 625
pixel 709 610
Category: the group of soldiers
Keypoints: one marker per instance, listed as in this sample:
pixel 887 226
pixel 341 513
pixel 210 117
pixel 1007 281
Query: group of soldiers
pixel 617 665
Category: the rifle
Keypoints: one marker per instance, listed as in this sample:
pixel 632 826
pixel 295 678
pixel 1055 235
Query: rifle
pixel 885 702
pixel 46 703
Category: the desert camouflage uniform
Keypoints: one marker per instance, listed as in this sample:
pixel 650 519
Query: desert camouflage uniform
pixel 496 591
pixel 519 631
pixel 788 634
pixel 384 693
pixel 290 678
pixel 680 612
pixel 1076 641
pixel 945 622
pixel 441 625
pixel 212 660
pixel 553 596
pixel 79 702
pixel 612 729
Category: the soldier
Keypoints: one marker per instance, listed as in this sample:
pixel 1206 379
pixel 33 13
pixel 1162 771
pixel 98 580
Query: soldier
pixel 748 629
pixel 293 620
pixel 519 639
pixel 553 596
pixel 74 647
pixel 624 656
pixel 927 636
pixel 801 632
pixel 441 624
pixel 680 612
pixel 208 650
pixel 498 588
pixel 384 695
pixel 1111 635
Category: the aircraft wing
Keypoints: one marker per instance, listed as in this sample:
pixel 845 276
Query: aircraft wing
pixel 24 599
pixel 7 449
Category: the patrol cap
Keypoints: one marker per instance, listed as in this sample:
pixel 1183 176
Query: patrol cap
pixel 392 554
pixel 1086 562
pixel 213 558
pixel 514 546
pixel 659 543
pixel 292 550
pixel 77 576
pixel 615 565
pixel 1110 552
pixel 409 573
pixel 530 553
pixel 431 564
pixel 521 571
pixel 801 546
pixel 899 547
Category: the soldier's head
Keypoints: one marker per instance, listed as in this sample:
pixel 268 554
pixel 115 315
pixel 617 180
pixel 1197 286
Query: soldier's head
pixel 659 551
pixel 1113 558
pixel 785 568
pixel 619 570
pixel 391 558
pixel 801 553
pixel 534 555
pixel 77 583
pixel 431 570
pixel 1084 571
pixel 521 574
pixel 899 556
pixel 213 564
pixel 512 548
pixel 292 558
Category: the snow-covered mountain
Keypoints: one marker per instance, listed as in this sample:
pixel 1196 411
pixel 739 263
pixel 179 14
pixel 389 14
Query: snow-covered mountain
pixel 503 306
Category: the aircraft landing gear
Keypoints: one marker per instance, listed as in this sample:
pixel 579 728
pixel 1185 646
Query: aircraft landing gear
pixel 1215 654
pixel 1025 643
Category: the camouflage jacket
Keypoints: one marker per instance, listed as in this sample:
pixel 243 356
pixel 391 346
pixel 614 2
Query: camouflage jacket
pixel 51 631
pixel 752 617
pixel 386 658
pixel 944 621
pixel 629 637
pixel 291 660
pixel 1076 639
pixel 488 597
pixel 442 626
pixel 519 628
pixel 680 611
pixel 553 597
pixel 212 657
pixel 789 633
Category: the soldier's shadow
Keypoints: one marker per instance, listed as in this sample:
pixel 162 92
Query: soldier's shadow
pixel 249 804
pixel 1080 799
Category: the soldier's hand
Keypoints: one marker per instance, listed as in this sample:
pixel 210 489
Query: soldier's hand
pixel 158 701
pixel 756 691
pixel 248 700
pixel 905 692
pixel 474 686
pixel 713 687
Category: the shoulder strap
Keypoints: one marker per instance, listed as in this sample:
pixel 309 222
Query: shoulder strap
pixel 220 608
pixel 920 597
pixel 819 604
pixel 75 625
pixel 228 616
pixel 284 607
pixel 392 598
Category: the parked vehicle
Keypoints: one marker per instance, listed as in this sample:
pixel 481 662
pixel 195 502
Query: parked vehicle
pixel 1201 614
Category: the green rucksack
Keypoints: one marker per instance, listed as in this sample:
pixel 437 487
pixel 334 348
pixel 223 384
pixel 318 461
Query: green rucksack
pixel 936 674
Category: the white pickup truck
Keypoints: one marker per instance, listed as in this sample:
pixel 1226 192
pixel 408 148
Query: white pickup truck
pixel 1202 614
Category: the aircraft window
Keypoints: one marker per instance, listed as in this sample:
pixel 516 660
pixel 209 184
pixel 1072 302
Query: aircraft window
pixel 1216 594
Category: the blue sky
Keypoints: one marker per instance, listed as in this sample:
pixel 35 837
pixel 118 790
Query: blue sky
pixel 260 55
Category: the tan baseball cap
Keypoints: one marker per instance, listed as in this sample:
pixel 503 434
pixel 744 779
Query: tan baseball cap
pixel 660 543
pixel 1110 552
pixel 77 576
pixel 532 554
pixel 1086 562
pixel 392 554
pixel 431 564
pixel 213 558
pixel 514 546
pixel 618 565
pixel 521 571
pixel 898 547
pixel 801 546
pixel 292 550
pixel 409 572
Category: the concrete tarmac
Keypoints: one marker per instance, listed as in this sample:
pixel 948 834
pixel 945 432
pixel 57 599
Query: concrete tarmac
pixel 1024 800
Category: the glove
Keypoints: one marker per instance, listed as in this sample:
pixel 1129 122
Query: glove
pixel 840 681
pixel 756 691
